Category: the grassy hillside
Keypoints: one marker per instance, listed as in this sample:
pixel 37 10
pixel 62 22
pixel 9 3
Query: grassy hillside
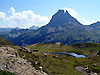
pixel 4 42
pixel 62 64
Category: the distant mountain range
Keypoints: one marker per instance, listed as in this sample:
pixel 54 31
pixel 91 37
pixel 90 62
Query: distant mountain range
pixel 61 28
pixel 3 30
pixel 34 27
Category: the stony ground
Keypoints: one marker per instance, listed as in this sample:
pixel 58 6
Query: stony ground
pixel 11 61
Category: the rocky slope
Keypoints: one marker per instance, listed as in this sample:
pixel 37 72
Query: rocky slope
pixel 11 61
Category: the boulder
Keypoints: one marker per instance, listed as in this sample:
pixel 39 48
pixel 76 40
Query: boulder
pixel 11 61
pixel 25 49
pixel 58 44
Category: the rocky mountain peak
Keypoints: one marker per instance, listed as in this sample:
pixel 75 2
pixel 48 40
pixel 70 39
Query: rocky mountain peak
pixel 98 22
pixel 62 18
pixel 95 25
pixel 63 12
pixel 34 27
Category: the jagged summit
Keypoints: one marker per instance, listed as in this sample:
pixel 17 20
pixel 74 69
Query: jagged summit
pixel 98 22
pixel 34 27
pixel 62 18
pixel 95 25
pixel 62 12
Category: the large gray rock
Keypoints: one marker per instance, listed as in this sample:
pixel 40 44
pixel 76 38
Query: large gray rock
pixel 11 61
pixel 25 49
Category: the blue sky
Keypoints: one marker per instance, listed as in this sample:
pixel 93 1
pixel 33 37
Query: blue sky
pixel 86 11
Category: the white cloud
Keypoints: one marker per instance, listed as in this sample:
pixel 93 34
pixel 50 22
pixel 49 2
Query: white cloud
pixel 72 12
pixel 75 15
pixel 85 22
pixel 2 15
pixel 22 19
pixel 12 10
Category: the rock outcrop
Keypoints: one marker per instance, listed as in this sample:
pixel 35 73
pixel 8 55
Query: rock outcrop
pixel 25 49
pixel 11 61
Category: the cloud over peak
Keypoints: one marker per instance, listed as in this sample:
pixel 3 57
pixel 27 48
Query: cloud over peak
pixel 76 15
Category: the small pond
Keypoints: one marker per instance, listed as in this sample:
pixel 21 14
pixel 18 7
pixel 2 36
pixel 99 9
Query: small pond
pixel 73 54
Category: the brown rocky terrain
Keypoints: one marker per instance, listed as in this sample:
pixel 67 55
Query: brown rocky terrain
pixel 11 61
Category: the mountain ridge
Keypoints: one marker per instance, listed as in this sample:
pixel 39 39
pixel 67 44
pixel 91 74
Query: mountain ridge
pixel 61 28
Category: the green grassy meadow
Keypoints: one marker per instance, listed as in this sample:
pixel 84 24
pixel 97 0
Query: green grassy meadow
pixel 62 64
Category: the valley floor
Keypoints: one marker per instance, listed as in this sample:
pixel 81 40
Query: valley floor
pixel 54 64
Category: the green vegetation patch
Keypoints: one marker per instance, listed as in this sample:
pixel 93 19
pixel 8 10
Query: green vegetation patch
pixel 2 72
pixel 55 64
